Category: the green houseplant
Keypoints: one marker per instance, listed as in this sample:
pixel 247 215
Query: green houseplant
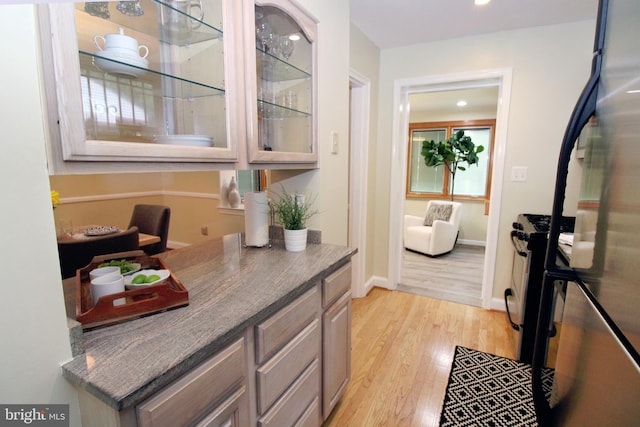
pixel 453 152
pixel 292 211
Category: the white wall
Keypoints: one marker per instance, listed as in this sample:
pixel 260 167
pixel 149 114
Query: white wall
pixel 550 66
pixel 34 332
pixel 330 182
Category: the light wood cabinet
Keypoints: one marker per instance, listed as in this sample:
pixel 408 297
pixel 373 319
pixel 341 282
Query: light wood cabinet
pixel 336 330
pixel 288 359
pixel 281 83
pixel 176 99
pixel 288 370
pixel 198 93
pixel 215 391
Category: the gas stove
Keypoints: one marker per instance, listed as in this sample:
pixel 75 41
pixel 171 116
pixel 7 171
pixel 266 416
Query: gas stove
pixel 530 227
pixel 529 236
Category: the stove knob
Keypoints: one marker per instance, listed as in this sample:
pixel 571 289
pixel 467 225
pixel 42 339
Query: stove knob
pixel 517 226
pixel 523 236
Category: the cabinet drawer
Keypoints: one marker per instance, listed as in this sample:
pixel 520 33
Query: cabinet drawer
pixel 276 331
pixel 230 413
pixel 275 376
pixel 311 417
pixel 191 396
pixel 336 284
pixel 292 407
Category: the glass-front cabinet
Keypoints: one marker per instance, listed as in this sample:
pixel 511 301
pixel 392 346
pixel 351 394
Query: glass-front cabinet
pixel 281 102
pixel 147 80
pixel 156 84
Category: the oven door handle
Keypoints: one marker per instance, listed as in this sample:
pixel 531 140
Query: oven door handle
pixel 507 293
pixel 514 234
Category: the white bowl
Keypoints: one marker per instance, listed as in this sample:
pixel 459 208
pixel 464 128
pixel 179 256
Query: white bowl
pixel 107 285
pixel 103 271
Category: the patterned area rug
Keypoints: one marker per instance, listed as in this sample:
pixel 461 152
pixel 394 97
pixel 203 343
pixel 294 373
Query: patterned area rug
pixel 489 390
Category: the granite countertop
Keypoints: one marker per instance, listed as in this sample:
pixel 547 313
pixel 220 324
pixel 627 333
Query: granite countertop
pixel 230 288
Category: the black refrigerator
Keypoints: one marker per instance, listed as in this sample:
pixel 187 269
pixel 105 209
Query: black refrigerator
pixel 597 373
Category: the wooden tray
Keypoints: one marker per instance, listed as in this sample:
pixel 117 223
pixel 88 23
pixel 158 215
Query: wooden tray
pixel 138 302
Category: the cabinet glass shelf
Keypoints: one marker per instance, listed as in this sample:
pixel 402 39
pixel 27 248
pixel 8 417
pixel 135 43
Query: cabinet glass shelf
pixel 274 69
pixel 269 111
pixel 180 87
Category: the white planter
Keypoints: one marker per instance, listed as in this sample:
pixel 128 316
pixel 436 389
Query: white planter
pixel 295 240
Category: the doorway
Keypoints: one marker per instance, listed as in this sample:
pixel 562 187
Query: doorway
pixel 455 276
pixel 359 111
pixel 403 89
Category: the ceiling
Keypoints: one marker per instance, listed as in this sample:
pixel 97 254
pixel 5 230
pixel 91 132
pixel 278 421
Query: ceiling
pixel 394 23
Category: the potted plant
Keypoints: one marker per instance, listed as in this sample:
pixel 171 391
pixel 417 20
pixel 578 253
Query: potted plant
pixel 293 211
pixel 453 152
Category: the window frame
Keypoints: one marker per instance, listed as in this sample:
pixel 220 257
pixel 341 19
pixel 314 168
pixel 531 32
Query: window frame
pixel 449 126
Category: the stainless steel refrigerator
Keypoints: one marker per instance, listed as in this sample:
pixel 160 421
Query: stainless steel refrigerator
pixel 597 376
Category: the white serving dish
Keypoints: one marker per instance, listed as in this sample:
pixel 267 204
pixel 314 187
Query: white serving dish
pixel 105 60
pixel 190 140
pixel 164 275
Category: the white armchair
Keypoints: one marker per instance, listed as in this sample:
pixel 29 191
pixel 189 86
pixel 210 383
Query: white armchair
pixel 440 237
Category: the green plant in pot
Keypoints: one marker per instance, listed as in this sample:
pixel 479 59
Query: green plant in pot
pixel 292 211
pixel 454 153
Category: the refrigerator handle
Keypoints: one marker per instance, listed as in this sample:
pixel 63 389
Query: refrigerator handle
pixel 582 112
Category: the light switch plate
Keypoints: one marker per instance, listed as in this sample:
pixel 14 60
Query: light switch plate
pixel 519 173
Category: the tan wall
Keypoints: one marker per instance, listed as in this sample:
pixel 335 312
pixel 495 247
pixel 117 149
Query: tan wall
pixel 108 199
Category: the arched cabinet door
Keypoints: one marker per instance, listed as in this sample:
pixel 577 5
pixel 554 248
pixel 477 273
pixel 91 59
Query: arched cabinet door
pixel 281 83
pixel 152 82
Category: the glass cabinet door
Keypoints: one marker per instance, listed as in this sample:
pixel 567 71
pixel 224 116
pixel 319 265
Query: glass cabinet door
pixel 152 81
pixel 282 113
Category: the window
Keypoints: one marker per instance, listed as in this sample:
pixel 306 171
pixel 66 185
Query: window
pixel 121 107
pixel 435 182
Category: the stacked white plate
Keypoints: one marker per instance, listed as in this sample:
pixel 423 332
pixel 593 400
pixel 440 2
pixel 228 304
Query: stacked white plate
pixel 104 60
pixel 192 140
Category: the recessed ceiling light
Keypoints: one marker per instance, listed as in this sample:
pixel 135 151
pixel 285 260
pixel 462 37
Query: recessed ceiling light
pixel 461 103
pixel 294 37
pixel 480 2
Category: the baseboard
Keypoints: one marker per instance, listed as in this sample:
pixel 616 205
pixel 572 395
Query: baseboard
pixel 497 304
pixel 472 242
pixel 172 244
pixel 376 281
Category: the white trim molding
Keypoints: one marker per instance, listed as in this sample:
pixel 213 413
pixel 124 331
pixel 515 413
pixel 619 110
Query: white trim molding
pixel 360 96
pixel 402 88
pixel 135 195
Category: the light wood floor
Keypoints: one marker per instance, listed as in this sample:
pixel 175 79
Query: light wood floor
pixel 456 276
pixel 402 349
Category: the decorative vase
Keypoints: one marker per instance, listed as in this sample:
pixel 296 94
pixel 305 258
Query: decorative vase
pixel 295 240
pixel 233 195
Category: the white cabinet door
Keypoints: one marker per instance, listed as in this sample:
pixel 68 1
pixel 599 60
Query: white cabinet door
pixel 281 99
pixel 177 97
